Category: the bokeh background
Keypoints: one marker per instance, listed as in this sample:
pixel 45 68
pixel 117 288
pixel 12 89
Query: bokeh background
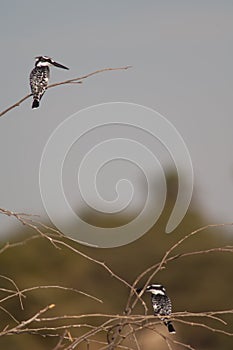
pixel 181 53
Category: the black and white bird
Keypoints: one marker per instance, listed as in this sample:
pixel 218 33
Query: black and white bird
pixel 39 77
pixel 161 304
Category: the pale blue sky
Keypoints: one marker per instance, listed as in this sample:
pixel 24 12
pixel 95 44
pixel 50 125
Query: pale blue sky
pixel 181 53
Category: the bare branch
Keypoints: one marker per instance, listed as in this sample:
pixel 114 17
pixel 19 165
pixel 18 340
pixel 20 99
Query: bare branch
pixel 121 330
pixel 154 269
pixel 16 287
pixel 77 80
pixel 14 330
pixel 26 290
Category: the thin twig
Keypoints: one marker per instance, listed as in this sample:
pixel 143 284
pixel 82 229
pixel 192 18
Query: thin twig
pixel 26 290
pixel 158 266
pixel 22 324
pixel 19 293
pixel 69 81
pixel 123 326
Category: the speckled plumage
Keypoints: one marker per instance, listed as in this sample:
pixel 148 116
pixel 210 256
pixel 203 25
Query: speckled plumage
pixel 161 304
pixel 39 79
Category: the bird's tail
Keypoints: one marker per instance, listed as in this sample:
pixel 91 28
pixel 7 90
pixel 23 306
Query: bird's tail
pixel 35 103
pixel 170 327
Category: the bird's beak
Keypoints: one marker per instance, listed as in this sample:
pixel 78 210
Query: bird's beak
pixel 59 65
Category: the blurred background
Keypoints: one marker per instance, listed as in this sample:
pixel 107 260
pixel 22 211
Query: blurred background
pixel 181 53
pixel 195 284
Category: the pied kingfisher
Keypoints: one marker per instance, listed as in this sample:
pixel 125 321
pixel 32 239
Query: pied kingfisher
pixel 161 303
pixel 39 77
